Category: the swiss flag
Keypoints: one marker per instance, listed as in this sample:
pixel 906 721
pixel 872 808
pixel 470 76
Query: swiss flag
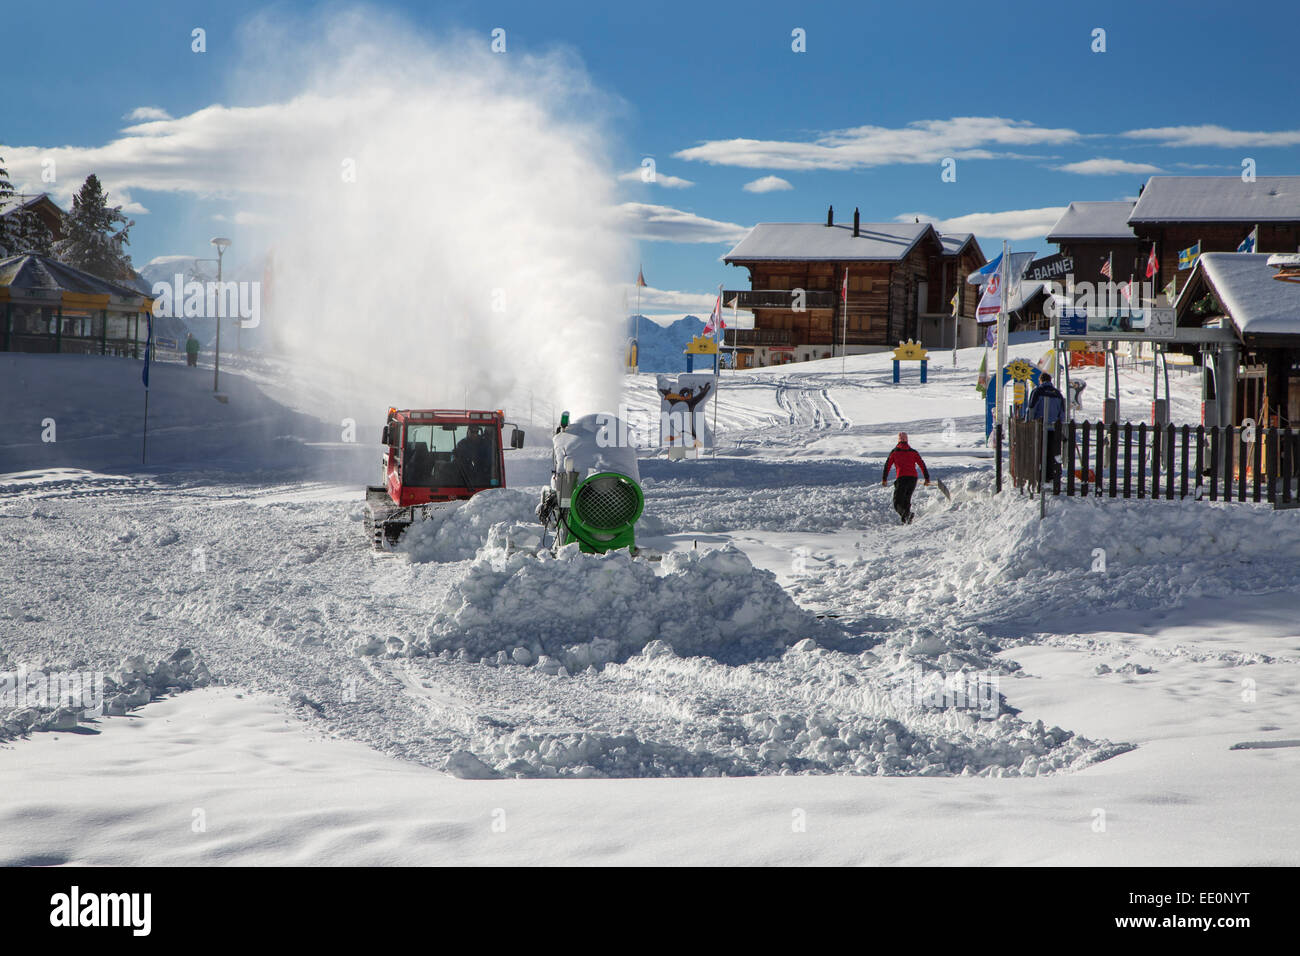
pixel 844 289
pixel 1153 264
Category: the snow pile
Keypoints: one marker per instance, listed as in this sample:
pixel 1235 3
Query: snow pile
pixel 573 610
pixel 61 697
pixel 457 533
pixel 813 710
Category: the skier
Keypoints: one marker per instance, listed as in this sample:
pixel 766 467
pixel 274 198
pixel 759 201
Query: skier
pixel 1046 401
pixel 191 350
pixel 904 460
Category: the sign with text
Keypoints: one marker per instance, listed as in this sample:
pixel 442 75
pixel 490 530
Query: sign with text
pixel 1142 323
pixel 1050 267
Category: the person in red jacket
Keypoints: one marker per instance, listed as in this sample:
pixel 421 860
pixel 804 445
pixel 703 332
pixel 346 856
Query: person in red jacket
pixel 904 460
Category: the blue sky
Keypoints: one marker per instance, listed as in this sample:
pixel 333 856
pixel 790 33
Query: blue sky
pixel 715 94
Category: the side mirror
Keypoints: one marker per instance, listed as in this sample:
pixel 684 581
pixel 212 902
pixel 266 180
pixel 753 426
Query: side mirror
pixel 517 438
pixel 383 436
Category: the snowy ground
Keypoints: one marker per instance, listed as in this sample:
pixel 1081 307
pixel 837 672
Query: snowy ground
pixel 782 644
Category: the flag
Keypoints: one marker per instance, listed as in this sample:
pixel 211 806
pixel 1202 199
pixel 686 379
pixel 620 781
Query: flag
pixel 1187 257
pixel 991 302
pixel 1171 288
pixel 1105 267
pixel 715 318
pixel 983 382
pixel 955 302
pixel 1153 264
pixel 1127 289
pixel 844 287
pixel 982 275
pixel 1048 362
pixel 1250 243
pixel 640 279
pixel 148 350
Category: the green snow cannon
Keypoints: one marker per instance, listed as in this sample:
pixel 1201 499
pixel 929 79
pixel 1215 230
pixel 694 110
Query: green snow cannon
pixel 595 494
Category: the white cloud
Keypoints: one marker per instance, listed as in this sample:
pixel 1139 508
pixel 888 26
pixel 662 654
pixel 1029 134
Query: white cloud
pixel 143 114
pixel 689 302
pixel 666 224
pixel 1108 167
pixel 1009 224
pixel 1220 136
pixel 244 218
pixel 767 184
pixel 925 141
pixel 661 179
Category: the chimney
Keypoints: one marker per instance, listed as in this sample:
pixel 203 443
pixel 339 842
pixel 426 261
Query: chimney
pixel 830 215
pixel 856 224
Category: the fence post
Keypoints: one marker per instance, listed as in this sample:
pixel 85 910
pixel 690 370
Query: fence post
pixel 1271 464
pixel 1087 430
pixel 1071 432
pixel 1259 457
pixel 1241 465
pixel 1187 436
pixel 1142 462
pixel 997 454
pixel 1171 465
pixel 1286 466
pixel 1128 459
pixel 1215 440
pixel 1114 457
pixel 1200 460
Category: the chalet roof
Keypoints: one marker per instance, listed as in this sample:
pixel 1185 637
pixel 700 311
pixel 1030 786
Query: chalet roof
pixel 955 244
pixel 815 241
pixel 1218 199
pixel 1094 220
pixel 1257 303
pixel 42 272
pixel 19 201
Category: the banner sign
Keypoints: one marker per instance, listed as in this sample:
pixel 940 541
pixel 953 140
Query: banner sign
pixel 683 400
pixel 1148 323
pixel 1050 267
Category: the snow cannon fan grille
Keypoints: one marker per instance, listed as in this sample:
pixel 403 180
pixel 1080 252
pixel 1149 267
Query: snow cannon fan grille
pixel 605 510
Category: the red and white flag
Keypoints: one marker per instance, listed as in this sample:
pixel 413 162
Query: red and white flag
pixel 1105 267
pixel 844 289
pixel 1153 264
pixel 715 322
pixel 1127 289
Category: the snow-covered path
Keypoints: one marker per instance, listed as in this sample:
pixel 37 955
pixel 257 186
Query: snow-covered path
pixel 1117 686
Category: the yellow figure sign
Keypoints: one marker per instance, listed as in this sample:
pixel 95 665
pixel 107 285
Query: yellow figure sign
pixel 702 346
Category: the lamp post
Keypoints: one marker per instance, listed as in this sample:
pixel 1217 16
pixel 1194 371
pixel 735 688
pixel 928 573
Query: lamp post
pixel 221 244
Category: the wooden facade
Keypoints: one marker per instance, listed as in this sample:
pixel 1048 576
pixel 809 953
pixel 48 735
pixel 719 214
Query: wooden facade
pixel 887 301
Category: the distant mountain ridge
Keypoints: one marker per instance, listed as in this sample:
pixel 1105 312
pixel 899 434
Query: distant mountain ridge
pixel 663 346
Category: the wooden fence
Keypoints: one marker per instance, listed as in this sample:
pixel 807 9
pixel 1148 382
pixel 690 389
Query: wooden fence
pixel 1223 463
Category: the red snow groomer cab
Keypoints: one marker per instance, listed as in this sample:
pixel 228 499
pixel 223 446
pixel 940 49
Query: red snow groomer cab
pixel 434 459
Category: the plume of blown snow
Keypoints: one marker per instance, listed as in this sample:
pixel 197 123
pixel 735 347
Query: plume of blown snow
pixel 441 229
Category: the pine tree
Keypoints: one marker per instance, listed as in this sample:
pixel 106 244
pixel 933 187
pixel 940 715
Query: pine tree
pixel 34 236
pixel 9 227
pixel 91 242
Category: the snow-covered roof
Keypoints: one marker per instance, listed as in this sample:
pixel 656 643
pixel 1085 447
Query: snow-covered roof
pixel 957 243
pixel 1093 220
pixel 1218 199
pixel 796 241
pixel 1257 303
pixel 41 272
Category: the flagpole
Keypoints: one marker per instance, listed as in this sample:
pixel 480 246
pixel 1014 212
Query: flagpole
pixel 717 372
pixel 844 337
pixel 1002 337
pixel 637 335
pixel 144 445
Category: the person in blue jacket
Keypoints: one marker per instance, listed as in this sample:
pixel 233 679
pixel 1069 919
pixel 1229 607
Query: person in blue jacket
pixel 1046 401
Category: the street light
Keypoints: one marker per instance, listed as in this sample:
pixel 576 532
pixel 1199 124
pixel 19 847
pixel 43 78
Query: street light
pixel 221 244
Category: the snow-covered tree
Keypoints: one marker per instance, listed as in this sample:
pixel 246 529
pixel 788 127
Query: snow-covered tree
pixel 9 227
pixel 95 234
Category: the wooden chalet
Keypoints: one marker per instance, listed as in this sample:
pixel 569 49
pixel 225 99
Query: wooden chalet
pixel 901 278
pixel 1092 233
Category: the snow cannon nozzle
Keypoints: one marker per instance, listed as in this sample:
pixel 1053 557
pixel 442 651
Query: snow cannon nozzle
pixel 595 496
